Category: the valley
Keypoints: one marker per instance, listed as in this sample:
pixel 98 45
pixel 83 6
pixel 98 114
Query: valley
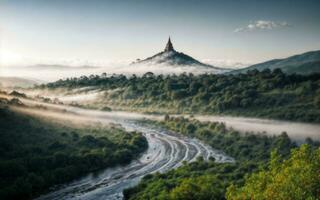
pixel 267 94
pixel 159 100
pixel 167 149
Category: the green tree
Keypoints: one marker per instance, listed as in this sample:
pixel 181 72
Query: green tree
pixel 201 188
pixel 296 178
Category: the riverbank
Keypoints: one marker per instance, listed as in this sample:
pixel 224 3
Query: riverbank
pixel 210 180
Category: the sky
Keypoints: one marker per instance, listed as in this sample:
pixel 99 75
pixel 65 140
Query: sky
pixel 104 31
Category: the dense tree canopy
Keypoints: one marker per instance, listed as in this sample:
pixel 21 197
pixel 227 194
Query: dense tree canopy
pixel 36 154
pixel 296 178
pixel 210 180
pixel 264 94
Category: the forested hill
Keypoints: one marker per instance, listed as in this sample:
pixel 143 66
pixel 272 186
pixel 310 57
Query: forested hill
pixel 36 155
pixel 271 94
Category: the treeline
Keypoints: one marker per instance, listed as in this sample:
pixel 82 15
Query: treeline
pixel 210 180
pixel 271 94
pixel 36 155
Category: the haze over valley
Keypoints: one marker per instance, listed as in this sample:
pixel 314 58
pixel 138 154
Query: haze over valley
pixel 166 100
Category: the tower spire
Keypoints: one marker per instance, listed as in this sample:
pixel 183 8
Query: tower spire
pixel 169 46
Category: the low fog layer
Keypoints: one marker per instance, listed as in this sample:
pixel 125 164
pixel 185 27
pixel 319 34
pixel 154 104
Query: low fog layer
pixel 297 131
pixel 17 82
pixel 45 74
pixel 68 112
pixel 49 73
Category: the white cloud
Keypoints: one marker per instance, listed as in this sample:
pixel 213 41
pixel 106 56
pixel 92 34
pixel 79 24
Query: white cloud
pixel 262 25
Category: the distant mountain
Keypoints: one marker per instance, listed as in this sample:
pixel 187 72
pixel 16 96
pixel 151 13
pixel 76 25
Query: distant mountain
pixel 58 67
pixel 11 82
pixel 170 57
pixel 305 63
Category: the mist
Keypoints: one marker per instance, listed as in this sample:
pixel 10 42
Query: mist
pixel 296 130
pixel 43 73
pixel 79 115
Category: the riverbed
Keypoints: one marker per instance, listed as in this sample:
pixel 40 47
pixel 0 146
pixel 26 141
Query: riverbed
pixel 166 151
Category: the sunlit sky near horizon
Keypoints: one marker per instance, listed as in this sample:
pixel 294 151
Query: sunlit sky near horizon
pixel 40 31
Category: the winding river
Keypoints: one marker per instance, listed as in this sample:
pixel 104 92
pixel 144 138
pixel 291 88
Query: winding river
pixel 166 150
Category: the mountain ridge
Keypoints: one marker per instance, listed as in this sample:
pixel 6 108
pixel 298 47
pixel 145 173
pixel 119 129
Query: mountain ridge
pixel 305 63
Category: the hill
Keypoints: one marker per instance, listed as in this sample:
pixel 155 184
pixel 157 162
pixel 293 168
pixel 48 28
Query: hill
pixel 256 94
pixel 306 63
pixel 36 154
pixel 10 82
pixel 173 58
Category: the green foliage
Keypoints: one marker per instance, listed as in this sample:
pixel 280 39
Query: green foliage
pixel 210 180
pixel 35 154
pixel 202 188
pixel 198 180
pixel 296 178
pixel 242 146
pixel 262 94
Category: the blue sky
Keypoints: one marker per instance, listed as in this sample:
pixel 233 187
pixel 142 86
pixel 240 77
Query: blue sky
pixel 243 30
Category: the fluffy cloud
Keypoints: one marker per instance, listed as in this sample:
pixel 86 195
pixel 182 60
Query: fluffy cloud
pixel 261 25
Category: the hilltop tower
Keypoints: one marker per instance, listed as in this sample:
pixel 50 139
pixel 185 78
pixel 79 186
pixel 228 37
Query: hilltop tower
pixel 169 46
pixel 170 57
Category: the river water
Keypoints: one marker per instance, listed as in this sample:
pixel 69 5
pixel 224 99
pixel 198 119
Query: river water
pixel 166 150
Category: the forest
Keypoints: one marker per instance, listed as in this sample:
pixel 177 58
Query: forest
pixel 266 94
pixel 36 154
pixel 259 158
